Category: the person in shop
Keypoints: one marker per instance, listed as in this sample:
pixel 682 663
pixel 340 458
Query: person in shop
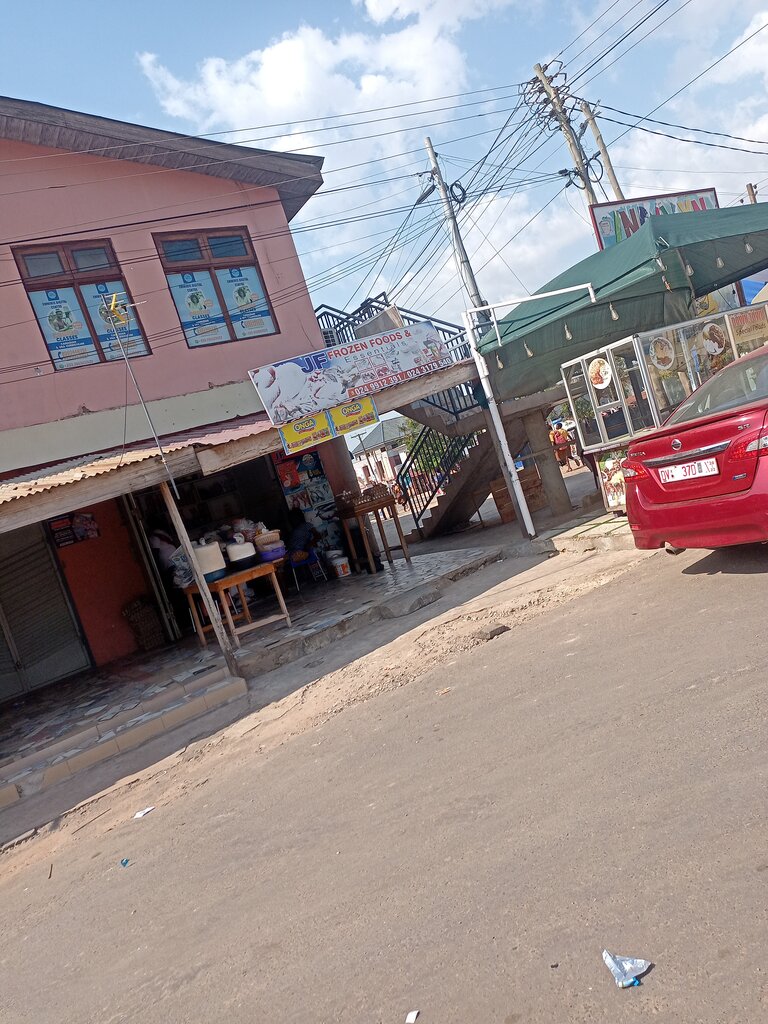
pixel 164 545
pixel 302 539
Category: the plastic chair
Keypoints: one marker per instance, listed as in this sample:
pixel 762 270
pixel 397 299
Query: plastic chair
pixel 312 563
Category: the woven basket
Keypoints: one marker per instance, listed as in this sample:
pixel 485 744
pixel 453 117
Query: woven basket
pixel 267 540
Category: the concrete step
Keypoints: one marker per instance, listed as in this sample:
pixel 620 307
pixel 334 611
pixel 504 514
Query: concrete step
pixel 171 707
pixel 604 532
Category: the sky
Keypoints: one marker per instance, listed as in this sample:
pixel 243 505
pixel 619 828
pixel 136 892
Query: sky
pixel 361 82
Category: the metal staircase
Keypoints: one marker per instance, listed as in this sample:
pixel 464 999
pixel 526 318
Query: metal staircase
pixel 448 406
pixel 445 480
pixel 447 473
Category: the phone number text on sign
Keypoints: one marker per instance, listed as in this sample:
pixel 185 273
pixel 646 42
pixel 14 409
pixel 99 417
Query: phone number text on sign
pixel 319 380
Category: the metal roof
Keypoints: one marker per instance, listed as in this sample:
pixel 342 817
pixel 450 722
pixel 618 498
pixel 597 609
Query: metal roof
pixel 73 471
pixel 296 176
pixel 387 432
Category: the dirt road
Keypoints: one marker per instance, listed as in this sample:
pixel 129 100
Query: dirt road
pixel 464 842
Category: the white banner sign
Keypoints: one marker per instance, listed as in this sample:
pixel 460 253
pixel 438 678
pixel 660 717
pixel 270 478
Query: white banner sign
pixel 319 380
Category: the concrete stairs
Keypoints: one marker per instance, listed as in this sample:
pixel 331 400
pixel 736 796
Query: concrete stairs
pixel 430 416
pixel 80 749
pixel 467 488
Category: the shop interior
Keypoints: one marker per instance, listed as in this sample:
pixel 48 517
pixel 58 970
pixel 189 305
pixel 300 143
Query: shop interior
pixel 279 509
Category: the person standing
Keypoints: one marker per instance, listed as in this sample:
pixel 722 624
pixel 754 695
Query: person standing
pixel 558 438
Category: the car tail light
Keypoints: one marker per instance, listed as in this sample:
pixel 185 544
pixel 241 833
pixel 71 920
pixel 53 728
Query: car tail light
pixel 633 470
pixel 752 444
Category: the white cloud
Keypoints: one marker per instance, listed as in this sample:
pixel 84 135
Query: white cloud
pixel 410 52
pixel 446 13
pixel 413 50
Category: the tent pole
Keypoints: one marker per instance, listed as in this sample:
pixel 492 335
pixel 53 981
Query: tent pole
pixel 207 597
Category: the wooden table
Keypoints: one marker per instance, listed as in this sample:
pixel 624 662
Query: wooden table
pixel 219 590
pixel 360 512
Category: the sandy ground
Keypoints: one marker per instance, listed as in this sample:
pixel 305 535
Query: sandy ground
pixel 456 822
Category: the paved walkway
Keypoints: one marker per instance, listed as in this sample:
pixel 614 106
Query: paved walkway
pixel 59 730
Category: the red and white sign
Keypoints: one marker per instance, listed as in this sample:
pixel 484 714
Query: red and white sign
pixel 320 380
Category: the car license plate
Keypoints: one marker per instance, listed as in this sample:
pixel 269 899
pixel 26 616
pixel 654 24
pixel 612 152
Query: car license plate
pixel 688 471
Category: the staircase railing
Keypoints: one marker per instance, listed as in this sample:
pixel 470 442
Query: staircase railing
pixel 428 467
pixel 454 401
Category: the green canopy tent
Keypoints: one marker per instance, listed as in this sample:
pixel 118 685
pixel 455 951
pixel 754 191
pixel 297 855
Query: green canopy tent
pixel 646 282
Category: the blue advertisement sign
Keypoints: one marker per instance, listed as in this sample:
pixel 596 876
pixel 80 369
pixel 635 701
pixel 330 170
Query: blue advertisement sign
pixel 198 308
pixel 97 299
pixel 64 328
pixel 246 301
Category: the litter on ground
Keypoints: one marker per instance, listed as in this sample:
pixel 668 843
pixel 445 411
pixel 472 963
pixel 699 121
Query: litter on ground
pixel 626 970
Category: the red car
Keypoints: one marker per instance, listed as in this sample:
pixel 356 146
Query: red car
pixel 701 480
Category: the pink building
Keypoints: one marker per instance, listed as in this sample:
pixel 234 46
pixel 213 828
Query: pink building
pixel 193 236
pixel 195 232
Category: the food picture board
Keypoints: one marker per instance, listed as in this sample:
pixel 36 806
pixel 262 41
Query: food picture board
pixel 611 479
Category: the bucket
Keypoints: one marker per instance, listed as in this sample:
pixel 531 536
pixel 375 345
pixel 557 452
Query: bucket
pixel 341 568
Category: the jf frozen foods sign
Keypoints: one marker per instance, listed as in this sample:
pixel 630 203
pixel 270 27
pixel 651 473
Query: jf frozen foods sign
pixel 614 222
pixel 305 385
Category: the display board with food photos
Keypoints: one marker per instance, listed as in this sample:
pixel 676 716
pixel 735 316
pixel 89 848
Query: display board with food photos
pixel 633 385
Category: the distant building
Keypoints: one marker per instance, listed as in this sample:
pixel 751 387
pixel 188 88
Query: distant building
pixel 381 452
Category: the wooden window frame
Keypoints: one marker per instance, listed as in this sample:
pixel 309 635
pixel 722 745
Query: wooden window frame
pixel 72 277
pixel 210 263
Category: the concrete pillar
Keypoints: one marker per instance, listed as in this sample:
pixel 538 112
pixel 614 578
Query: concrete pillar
pixel 338 465
pixel 551 475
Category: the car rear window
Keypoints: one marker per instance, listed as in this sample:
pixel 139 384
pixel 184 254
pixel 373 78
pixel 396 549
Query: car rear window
pixel 740 383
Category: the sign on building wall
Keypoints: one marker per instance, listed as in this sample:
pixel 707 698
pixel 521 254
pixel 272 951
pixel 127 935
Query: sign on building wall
pixel 64 327
pixel 313 430
pixel 246 301
pixel 312 383
pixel 198 307
pixel 97 299
pixel 614 222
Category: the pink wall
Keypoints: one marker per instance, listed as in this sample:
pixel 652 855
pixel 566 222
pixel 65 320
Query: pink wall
pixel 105 192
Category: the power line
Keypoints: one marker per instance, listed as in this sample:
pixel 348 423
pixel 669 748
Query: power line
pixel 512 239
pixel 617 42
pixel 685 128
pixel 575 57
pixel 692 81
pixel 234 131
pixel 692 142
pixel 197 167
pixel 99 223
pixel 589 26
pixel 637 42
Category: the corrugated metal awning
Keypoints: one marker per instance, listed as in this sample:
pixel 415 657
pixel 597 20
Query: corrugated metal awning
pixel 52 490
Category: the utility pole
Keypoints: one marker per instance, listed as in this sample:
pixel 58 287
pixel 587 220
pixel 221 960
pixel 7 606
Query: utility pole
pixel 603 149
pixel 752 193
pixel 496 431
pixel 465 267
pixel 567 129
